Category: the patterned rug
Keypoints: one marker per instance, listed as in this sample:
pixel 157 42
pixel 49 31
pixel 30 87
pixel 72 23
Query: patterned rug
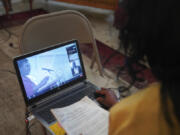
pixel 19 18
pixel 12 107
pixel 113 60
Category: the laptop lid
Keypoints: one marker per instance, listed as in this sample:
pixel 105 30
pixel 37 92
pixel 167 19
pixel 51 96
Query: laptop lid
pixel 50 70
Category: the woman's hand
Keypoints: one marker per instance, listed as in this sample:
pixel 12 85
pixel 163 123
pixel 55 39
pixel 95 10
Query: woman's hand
pixel 108 97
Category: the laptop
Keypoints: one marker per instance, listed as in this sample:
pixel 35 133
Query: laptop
pixel 52 77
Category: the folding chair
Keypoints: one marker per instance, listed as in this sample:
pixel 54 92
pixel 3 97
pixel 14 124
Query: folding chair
pixel 44 30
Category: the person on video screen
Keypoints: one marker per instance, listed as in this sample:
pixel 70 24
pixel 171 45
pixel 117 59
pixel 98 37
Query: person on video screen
pixel 75 69
pixel 30 87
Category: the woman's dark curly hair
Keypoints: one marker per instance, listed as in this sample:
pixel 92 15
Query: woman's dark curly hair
pixel 152 31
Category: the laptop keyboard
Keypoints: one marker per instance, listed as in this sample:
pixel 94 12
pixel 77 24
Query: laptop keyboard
pixel 68 100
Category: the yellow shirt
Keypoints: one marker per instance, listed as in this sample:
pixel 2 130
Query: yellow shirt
pixel 140 114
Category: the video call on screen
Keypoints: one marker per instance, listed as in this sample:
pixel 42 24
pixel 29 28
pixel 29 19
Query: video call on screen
pixel 46 71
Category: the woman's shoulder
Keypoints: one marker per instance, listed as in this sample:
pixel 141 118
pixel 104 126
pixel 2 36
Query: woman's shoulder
pixel 141 108
pixel 143 97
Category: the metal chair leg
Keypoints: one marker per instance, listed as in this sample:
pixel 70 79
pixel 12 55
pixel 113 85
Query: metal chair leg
pixel 30 4
pixel 93 60
pixel 5 4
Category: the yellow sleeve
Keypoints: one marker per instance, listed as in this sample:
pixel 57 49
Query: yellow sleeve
pixel 137 114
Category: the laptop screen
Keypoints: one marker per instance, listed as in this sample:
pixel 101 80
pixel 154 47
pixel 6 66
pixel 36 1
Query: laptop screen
pixel 46 70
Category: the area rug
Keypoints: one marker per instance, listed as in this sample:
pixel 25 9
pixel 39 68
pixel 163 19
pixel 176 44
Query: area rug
pixel 112 60
pixel 19 18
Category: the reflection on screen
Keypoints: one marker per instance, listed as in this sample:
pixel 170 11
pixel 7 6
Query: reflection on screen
pixel 44 72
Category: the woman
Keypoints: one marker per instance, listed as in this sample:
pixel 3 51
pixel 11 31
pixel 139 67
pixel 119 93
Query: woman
pixel 152 32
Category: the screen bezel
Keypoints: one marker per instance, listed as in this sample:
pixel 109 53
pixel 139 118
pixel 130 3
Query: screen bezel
pixel 45 95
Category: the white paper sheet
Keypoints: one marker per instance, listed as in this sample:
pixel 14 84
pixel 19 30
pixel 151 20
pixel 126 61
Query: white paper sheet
pixel 83 118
